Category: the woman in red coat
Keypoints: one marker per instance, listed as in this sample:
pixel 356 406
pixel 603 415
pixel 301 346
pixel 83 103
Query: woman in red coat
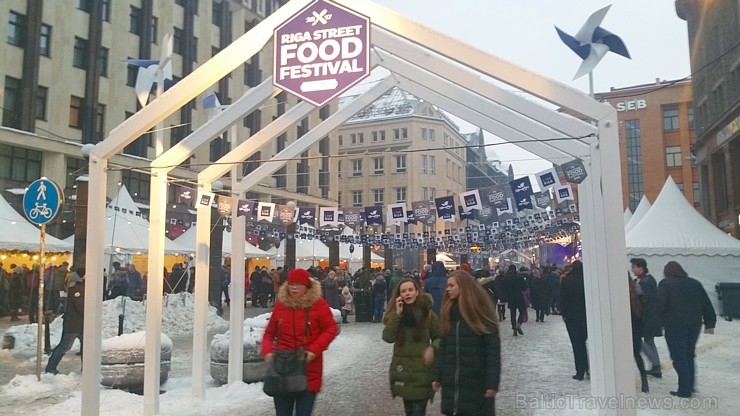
pixel 286 329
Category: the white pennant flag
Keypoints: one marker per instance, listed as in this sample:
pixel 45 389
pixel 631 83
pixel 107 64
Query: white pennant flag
pixel 470 200
pixel 506 209
pixel 564 193
pixel 265 211
pixel 547 179
pixel 397 213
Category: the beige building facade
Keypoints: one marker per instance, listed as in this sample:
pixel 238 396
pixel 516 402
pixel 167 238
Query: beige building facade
pixel 399 149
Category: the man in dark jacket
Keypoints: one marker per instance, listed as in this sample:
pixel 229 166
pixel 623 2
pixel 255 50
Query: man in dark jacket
pixel 553 281
pixel 573 309
pixel 647 290
pixel 74 315
pixel 682 305
pixel 436 283
pixel 540 295
pixel 515 285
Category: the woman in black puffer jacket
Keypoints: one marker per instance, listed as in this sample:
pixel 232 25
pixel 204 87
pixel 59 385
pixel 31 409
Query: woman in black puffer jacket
pixel 468 363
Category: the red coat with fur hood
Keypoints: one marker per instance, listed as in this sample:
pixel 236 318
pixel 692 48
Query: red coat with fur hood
pixel 289 318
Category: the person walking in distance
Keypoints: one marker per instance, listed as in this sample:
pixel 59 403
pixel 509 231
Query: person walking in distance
pixel 74 317
pixel 378 296
pixel 500 288
pixel 573 310
pixel 682 306
pixel 348 301
pixel 468 364
pixel 514 285
pixel 436 282
pixel 647 291
pixel 540 294
pixel 413 329
pixel 637 327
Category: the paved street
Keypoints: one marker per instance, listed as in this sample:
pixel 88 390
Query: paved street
pixel 535 365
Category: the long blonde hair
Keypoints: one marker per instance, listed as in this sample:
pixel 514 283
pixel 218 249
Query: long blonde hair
pixel 475 305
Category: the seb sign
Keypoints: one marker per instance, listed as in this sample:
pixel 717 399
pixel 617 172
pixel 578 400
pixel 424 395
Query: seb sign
pixel 631 105
pixel 321 52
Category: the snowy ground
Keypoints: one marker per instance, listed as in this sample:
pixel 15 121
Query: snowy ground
pixel 536 381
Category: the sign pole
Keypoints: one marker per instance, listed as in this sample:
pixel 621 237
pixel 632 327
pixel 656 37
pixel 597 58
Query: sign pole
pixel 40 312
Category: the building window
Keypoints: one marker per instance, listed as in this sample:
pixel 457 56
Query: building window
pixel 401 164
pixel 428 194
pixel 281 181
pixel 132 71
pixel 40 104
pixel 402 133
pixel 79 59
pixel 340 140
pixel 155 24
pixel 251 163
pixel 378 136
pixel 673 156
pixel 134 20
pixel 697 192
pixel 19 164
pixel 100 121
pixel 401 194
pixel 353 138
pixel 424 133
pixel 75 112
pixel 634 163
pixel 216 13
pixel 360 138
pixel 378 196
pixel 427 164
pixel 431 134
pixel 16 29
pixel 253 121
pixel 281 141
pixel 690 116
pixel 356 198
pixel 12 103
pixel 104 62
pixel 45 41
pixel 136 183
pixel 324 112
pixel 339 169
pixel 105 10
pixel 670 119
pixel 357 167
pixel 83 5
pixel 378 165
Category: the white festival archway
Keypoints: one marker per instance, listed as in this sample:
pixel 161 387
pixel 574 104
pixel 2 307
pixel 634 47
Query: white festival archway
pixel 434 67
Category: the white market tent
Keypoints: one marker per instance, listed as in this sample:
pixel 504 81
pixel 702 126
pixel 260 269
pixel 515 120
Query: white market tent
pixel 642 208
pixel 307 253
pixel 187 240
pixel 627 216
pixel 127 232
pixel 674 230
pixel 443 258
pixel 19 234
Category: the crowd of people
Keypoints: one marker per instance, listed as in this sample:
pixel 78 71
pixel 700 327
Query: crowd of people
pixel 444 325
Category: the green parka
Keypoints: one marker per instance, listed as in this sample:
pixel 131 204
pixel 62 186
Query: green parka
pixel 409 377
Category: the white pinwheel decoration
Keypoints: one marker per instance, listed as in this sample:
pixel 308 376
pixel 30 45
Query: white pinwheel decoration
pixel 592 42
pixel 152 71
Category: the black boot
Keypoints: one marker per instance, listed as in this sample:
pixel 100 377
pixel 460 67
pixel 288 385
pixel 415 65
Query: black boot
pixel 645 388
pixel 578 376
pixel 655 372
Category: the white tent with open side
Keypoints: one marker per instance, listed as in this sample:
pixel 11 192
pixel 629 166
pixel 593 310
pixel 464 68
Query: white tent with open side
pixel 627 216
pixel 187 240
pixel 674 230
pixel 127 232
pixel 20 235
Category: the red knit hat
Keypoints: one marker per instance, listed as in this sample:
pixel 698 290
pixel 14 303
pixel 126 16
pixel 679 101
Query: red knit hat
pixel 466 267
pixel 299 276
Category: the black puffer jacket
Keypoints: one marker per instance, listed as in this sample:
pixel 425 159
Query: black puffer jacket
pixel 467 364
pixel 74 312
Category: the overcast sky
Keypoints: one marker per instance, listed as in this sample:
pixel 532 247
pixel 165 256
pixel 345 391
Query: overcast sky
pixel 523 32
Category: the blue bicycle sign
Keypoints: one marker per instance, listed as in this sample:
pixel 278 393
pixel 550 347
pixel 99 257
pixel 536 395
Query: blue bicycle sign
pixel 42 201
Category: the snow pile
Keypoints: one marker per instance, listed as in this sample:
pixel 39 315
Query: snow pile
pixel 177 319
pixel 132 341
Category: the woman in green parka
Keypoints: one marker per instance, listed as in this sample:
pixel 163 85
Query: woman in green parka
pixel 414 330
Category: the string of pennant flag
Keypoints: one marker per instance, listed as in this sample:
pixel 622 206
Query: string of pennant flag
pixel 511 215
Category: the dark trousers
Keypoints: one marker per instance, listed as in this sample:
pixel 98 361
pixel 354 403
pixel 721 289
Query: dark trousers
pixel 302 403
pixel 636 347
pixel 33 305
pixel 415 407
pixel 501 311
pixel 540 315
pixel 515 322
pixel 578 334
pixel 681 344
pixel 65 344
pixel 378 308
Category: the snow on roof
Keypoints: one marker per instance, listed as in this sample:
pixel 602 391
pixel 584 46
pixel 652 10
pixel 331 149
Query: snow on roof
pixel 393 104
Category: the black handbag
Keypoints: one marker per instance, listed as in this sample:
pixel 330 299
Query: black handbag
pixel 286 373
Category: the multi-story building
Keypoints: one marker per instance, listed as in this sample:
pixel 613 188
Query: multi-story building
pixel 400 149
pixel 63 85
pixel 714 31
pixel 480 172
pixel 656 132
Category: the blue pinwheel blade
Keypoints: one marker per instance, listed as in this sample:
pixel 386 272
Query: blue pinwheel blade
pixel 143 63
pixel 573 43
pixel 611 40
